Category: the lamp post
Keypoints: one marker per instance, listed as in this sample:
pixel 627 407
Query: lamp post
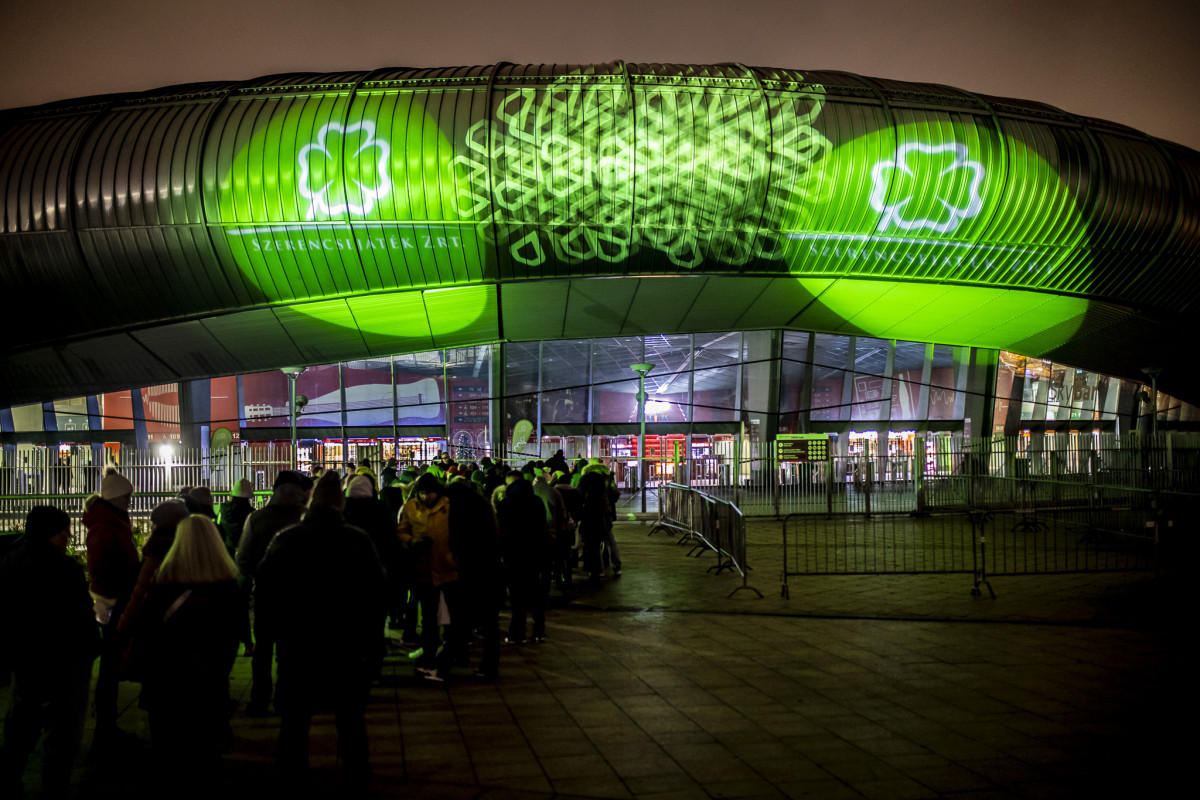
pixel 642 370
pixel 293 373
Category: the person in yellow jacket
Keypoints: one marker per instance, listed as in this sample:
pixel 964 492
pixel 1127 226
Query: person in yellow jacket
pixel 423 527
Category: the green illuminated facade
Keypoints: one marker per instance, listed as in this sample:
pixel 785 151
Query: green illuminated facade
pixel 220 229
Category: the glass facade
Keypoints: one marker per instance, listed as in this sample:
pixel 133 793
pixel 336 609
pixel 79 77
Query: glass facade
pixel 752 384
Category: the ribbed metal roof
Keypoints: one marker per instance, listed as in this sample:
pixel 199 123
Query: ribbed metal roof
pixel 216 228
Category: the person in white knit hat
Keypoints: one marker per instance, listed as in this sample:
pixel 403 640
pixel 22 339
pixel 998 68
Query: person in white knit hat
pixel 113 566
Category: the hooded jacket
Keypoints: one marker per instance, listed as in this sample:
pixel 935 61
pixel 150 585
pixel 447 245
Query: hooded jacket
pixel 112 556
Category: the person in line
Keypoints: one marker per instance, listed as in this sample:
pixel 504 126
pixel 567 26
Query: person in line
pixel 598 512
pixel 320 587
pixel 524 544
pixel 475 544
pixel 50 643
pixel 424 530
pixel 231 518
pixel 164 519
pixel 286 507
pixel 186 639
pixel 113 566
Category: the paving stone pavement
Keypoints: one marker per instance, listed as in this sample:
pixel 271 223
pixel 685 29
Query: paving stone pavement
pixel 659 685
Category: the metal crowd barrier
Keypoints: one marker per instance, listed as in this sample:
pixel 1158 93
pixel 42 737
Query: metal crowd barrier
pixel 709 524
pixel 981 543
pixel 12 518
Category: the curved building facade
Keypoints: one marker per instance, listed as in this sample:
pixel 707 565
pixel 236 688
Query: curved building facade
pixel 221 229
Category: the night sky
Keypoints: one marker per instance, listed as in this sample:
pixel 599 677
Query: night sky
pixel 1133 63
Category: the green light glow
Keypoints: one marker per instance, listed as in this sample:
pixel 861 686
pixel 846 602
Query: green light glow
pixel 602 177
pixel 943 202
pixel 325 191
pixel 583 173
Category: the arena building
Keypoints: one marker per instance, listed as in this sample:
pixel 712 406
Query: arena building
pixel 474 257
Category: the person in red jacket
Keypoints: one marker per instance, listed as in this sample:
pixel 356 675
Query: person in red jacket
pixel 113 566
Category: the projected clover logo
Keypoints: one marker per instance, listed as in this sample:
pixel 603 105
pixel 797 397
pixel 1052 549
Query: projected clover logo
pixel 916 174
pixel 322 171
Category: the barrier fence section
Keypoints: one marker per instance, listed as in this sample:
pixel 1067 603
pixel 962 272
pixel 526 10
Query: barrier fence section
pixel 980 543
pixel 709 524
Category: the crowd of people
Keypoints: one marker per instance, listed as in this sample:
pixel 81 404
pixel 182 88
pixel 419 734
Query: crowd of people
pixel 308 586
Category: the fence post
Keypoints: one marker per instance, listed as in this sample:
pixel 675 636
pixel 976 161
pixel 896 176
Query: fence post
pixel 829 485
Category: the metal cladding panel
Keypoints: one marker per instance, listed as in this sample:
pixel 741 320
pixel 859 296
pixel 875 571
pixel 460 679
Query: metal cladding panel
pixel 778 305
pixel 597 307
pixel 36 276
pixel 393 322
pixel 303 189
pixel 35 174
pixel 36 373
pixel 255 338
pixel 322 332
pixel 1135 212
pixel 660 304
pixel 462 316
pixel 117 359
pixel 722 302
pixel 534 310
pixel 190 349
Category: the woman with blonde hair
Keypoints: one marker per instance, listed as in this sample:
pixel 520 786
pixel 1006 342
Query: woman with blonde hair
pixel 186 639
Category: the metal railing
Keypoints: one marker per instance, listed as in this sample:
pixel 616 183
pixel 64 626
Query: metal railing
pixel 981 543
pixel 709 524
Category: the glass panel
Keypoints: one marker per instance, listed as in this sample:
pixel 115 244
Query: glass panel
pixel 265 395
pixel 161 406
pixel 870 368
pixel 667 385
pixel 715 397
pixel 942 395
pixel 321 386
pixel 795 351
pixel 419 388
pixel 1011 365
pixel 116 411
pixel 907 368
pixel 521 383
pixel 614 387
pixel 565 366
pixel 757 374
pixel 718 349
pixel 368 392
pixel 469 376
pixel 71 415
pixel 27 418
pixel 223 407
pixel 829 376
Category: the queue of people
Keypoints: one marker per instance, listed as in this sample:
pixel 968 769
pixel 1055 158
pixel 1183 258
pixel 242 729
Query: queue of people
pixel 308 585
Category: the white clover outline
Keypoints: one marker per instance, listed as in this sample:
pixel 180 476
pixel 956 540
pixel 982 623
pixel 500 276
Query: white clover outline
pixel 899 161
pixel 317 199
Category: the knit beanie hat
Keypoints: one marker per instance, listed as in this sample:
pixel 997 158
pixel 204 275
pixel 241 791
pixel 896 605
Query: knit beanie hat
pixel 168 513
pixel 291 476
pixel 115 485
pixel 360 486
pixel 243 488
pixel 328 492
pixel 201 495
pixel 43 522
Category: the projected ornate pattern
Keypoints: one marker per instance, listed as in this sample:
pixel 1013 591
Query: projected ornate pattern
pixel 701 175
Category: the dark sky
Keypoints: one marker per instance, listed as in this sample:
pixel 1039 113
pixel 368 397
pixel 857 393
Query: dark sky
pixel 1137 63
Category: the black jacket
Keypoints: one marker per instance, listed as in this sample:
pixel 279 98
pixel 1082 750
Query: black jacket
pixel 47 627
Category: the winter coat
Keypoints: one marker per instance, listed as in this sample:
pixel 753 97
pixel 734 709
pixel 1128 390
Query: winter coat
pixel 231 517
pixel 112 556
pixel 47 627
pixel 285 508
pixel 321 591
pixel 427 530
